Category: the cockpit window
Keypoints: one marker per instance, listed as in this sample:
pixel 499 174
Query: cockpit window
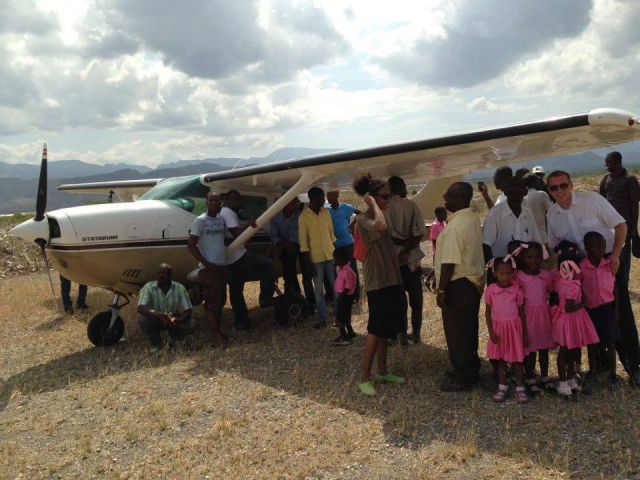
pixel 191 195
pixel 184 192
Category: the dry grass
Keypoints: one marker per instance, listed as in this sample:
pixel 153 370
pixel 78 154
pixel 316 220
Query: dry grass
pixel 275 404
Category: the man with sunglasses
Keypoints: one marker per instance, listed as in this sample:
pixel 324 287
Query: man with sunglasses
pixel 573 215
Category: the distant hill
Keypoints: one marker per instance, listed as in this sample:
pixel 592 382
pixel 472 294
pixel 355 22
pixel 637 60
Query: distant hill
pixel 17 193
pixel 65 169
pixel 575 164
pixel 231 162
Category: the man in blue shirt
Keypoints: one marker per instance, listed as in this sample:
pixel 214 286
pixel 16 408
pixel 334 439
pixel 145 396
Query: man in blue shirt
pixel 284 235
pixel 341 217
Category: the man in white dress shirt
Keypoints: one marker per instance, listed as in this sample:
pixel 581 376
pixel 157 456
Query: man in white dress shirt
pixel 509 221
pixel 577 213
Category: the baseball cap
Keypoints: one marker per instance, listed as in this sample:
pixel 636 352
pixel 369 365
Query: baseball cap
pixel 537 169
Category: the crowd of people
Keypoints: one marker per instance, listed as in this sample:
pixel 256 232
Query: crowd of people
pixel 553 264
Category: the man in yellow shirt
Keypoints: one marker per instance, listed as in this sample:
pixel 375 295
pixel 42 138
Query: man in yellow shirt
pixel 315 232
pixel 459 267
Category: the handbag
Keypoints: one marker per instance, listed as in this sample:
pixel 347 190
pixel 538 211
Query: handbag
pixel 359 247
pixel 635 246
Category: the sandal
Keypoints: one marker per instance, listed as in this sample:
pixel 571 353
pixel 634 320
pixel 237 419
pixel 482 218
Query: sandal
pixel 389 378
pixel 564 390
pixel 521 397
pixel 500 396
pixel 367 388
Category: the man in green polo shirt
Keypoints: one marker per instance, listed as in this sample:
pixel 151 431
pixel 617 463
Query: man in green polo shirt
pixel 164 305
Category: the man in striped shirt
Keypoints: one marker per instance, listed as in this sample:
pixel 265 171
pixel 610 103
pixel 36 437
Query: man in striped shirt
pixel 164 305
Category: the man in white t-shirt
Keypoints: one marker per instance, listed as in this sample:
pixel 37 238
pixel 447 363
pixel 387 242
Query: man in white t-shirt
pixel 243 264
pixel 206 244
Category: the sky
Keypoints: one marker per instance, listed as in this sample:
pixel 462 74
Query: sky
pixel 156 81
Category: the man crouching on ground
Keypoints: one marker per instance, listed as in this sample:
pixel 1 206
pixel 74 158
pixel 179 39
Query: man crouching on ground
pixel 206 244
pixel 164 305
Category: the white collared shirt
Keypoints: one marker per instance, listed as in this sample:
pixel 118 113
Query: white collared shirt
pixel 538 202
pixel 502 226
pixel 588 212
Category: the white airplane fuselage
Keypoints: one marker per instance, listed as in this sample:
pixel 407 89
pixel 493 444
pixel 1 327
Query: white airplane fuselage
pixel 119 246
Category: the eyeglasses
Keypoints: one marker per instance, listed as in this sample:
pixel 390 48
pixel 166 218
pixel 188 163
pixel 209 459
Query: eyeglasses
pixel 384 196
pixel 560 186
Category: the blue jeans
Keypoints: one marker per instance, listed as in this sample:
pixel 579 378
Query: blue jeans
pixel 237 274
pixel 324 271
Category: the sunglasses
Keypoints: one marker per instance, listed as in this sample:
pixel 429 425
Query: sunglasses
pixel 384 196
pixel 560 186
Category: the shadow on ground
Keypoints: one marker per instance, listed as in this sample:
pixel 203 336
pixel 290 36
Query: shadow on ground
pixel 302 362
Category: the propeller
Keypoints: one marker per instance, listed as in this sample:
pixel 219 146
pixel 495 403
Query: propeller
pixel 41 207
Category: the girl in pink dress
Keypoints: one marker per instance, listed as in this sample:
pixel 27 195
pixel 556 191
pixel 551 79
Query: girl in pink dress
pixel 506 325
pixel 572 327
pixel 536 285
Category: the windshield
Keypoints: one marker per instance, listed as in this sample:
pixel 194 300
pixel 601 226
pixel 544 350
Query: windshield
pixel 184 192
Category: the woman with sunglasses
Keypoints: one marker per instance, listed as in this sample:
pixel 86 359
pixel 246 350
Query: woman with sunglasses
pixel 382 282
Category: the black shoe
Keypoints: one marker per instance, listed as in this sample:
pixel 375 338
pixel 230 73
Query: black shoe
pixel 634 379
pixel 351 334
pixel 82 306
pixel 319 325
pixel 588 381
pixel 404 340
pixel 415 338
pixel 342 341
pixel 68 309
pixel 453 386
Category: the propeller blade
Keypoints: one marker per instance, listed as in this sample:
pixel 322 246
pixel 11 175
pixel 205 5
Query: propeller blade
pixel 41 199
pixel 46 262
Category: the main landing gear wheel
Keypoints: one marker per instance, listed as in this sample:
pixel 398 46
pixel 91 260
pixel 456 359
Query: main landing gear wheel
pixel 99 332
pixel 290 309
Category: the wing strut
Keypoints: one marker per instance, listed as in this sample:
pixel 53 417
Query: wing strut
pixel 307 177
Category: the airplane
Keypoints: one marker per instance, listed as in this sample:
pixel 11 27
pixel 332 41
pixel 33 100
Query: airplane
pixel 118 246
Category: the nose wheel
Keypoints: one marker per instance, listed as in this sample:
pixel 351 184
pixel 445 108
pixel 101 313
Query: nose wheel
pixel 107 328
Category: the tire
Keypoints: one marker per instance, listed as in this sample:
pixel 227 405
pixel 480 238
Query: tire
pixel 290 309
pixel 97 329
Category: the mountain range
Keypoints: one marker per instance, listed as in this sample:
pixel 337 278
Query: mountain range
pixel 18 182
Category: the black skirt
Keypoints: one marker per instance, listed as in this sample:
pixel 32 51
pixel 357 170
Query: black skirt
pixel 385 316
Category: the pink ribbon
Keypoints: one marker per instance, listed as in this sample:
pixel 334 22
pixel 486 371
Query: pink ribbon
pixel 505 259
pixel 524 246
pixel 568 269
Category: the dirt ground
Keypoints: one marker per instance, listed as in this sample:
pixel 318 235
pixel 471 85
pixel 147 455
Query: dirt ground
pixel 276 404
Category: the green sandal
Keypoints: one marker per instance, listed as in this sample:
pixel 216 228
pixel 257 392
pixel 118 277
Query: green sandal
pixel 389 378
pixel 367 388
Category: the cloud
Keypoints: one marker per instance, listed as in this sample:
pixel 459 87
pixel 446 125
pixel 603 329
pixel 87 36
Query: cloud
pixel 217 39
pixel 22 16
pixel 481 104
pixel 484 38
pixel 598 68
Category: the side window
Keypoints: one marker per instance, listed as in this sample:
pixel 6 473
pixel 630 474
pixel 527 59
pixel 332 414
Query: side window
pixel 252 207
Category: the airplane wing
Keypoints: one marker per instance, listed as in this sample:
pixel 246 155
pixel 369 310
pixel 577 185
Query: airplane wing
pixel 442 160
pixel 126 190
